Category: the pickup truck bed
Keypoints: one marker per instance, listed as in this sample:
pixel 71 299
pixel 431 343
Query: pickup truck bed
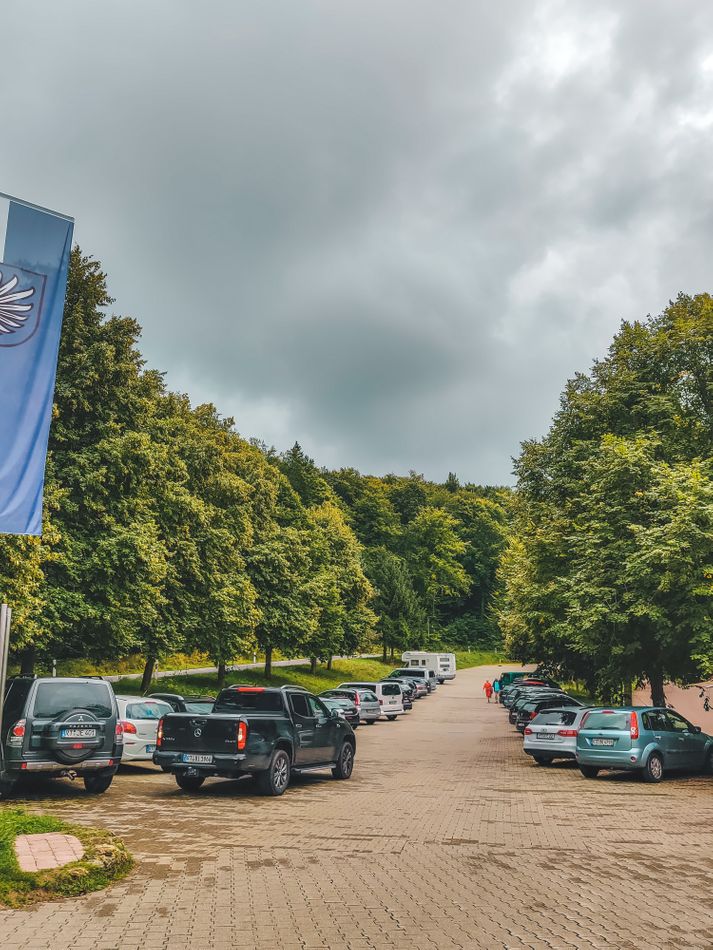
pixel 268 733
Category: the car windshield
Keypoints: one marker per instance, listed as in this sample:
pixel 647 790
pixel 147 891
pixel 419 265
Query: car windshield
pixel 148 709
pixel 201 706
pixel 56 699
pixel 236 701
pixel 615 721
pixel 559 717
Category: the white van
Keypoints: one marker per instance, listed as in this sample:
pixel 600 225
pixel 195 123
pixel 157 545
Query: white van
pixel 442 664
pixel 390 696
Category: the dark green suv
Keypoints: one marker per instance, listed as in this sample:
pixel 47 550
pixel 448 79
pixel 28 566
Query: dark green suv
pixel 60 727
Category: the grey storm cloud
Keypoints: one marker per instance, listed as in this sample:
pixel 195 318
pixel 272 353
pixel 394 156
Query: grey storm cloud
pixel 389 230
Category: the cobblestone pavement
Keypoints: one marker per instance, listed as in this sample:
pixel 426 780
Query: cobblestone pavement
pixel 446 836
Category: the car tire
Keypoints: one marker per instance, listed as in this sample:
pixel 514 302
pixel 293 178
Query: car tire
pixel 391 718
pixel 589 771
pixel 369 722
pixel 708 764
pixel 345 762
pixel 542 759
pixel 653 770
pixel 276 777
pixel 7 788
pixel 189 783
pixel 97 784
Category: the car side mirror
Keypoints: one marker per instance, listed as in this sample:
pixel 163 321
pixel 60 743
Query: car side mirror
pixel 697 729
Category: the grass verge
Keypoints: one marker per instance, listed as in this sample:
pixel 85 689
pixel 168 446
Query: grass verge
pixel 342 671
pixel 105 860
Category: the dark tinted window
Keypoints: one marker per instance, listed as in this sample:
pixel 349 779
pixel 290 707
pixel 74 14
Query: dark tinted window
pixel 558 718
pixel 236 702
pixel 391 689
pixel 299 704
pixel 55 699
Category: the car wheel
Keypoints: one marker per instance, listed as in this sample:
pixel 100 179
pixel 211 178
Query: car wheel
pixel 345 762
pixel 189 783
pixel 97 784
pixel 7 788
pixel 653 770
pixel 542 759
pixel 708 764
pixel 589 771
pixel 391 718
pixel 370 722
pixel 275 779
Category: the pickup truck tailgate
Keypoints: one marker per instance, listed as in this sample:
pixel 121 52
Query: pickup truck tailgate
pixel 186 732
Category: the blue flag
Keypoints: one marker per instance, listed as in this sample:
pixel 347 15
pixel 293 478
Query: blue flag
pixel 34 258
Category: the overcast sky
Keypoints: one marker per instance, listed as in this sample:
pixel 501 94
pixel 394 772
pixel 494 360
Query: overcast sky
pixel 388 229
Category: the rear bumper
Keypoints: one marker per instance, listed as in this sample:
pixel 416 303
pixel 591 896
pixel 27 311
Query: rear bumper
pixel 227 765
pixel 50 767
pixel 608 759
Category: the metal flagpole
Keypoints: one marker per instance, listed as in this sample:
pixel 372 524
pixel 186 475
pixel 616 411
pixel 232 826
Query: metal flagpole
pixel 5 616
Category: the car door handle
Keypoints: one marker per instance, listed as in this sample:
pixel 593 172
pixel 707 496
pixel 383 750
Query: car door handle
pixel 298 725
pixel 658 738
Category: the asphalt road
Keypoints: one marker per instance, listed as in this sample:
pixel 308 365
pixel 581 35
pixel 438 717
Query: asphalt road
pixel 446 837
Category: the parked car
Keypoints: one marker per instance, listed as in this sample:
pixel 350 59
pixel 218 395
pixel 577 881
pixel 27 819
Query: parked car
pixel 419 683
pixel 552 734
pixel 268 733
pixel 425 675
pixel 60 727
pixel 139 718
pixel 194 704
pixel 365 700
pixel 345 708
pixel 510 676
pixel 389 694
pixel 647 739
pixel 408 688
pixel 530 710
pixel 528 696
pixel 528 689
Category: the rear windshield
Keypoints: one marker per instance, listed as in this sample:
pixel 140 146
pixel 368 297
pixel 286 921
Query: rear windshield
pixel 339 694
pixel 616 721
pixel 199 706
pixel 55 699
pixel 147 710
pixel 236 701
pixel 391 689
pixel 560 718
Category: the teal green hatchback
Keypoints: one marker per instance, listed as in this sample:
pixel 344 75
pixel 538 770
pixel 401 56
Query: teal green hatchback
pixel 644 739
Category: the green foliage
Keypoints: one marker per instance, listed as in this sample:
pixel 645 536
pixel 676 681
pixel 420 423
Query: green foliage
pixel 607 575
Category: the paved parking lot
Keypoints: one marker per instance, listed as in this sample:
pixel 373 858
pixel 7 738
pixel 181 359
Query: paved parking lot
pixel 445 837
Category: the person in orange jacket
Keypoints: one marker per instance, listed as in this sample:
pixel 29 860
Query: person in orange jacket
pixel 488 689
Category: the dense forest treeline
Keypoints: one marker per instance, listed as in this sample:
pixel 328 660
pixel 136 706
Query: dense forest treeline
pixel 166 531
pixel 608 572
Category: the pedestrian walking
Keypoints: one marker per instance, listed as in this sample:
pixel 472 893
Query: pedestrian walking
pixel 488 689
pixel 496 690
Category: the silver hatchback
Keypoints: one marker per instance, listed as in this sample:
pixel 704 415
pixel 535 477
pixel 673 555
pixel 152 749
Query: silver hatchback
pixel 365 700
pixel 552 734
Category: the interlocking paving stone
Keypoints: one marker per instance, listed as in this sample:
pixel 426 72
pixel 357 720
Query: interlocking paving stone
pixel 447 836
pixel 46 851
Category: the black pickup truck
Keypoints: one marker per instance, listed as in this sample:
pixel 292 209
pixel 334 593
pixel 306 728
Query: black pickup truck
pixel 268 733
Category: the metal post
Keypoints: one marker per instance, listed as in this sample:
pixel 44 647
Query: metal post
pixel 5 615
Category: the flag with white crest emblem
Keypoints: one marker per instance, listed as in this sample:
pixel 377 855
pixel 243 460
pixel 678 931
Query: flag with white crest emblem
pixel 34 258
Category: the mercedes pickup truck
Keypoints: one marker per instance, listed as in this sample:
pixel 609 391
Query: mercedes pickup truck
pixel 254 730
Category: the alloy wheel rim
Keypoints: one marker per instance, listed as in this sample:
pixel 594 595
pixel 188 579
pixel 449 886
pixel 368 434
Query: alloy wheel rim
pixel 656 769
pixel 347 759
pixel 280 772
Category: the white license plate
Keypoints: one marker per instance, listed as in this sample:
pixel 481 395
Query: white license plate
pixel 79 733
pixel 150 748
pixel 545 735
pixel 197 759
pixel 602 741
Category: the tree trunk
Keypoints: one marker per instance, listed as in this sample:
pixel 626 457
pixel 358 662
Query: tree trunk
pixel 27 661
pixel 329 663
pixel 148 673
pixel 268 662
pixel 313 664
pixel 385 649
pixel 656 684
pixel 392 652
pixel 221 674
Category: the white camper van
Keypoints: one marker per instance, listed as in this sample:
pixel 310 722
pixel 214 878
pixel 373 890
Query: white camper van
pixel 442 664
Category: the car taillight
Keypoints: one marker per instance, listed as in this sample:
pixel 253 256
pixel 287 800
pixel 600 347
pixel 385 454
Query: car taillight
pixel 242 735
pixel 567 733
pixel 159 734
pixel 533 714
pixel 357 699
pixel 126 726
pixel 18 730
pixel 634 726
pixel 381 702
pixel 528 731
